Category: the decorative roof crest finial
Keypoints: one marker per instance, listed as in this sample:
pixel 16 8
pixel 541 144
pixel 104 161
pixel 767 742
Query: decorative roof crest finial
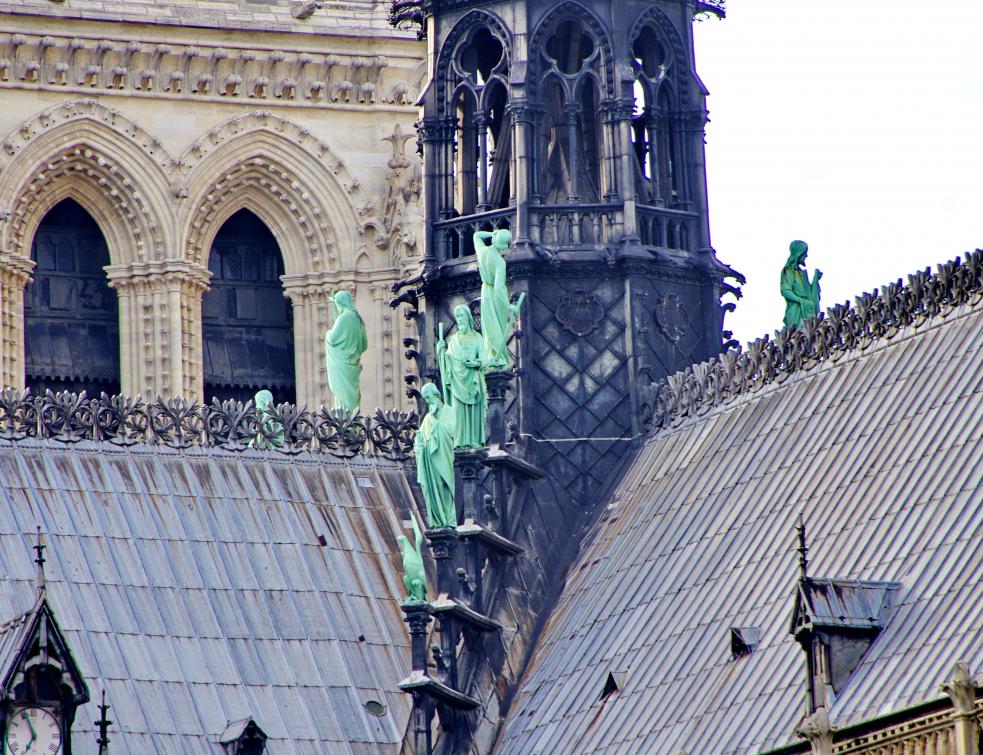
pixel 39 560
pixel 103 724
pixel 803 549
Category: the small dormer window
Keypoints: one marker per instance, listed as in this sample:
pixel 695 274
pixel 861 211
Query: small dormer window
pixel 744 640
pixel 836 621
pixel 243 737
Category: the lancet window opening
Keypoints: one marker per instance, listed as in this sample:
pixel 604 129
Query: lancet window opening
pixel 247 324
pixel 572 140
pixel 71 315
pixel 482 142
pixel 657 179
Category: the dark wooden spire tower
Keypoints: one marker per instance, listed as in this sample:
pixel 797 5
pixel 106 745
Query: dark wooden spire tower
pixel 580 127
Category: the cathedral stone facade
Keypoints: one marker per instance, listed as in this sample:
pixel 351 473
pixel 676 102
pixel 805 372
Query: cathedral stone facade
pixel 185 183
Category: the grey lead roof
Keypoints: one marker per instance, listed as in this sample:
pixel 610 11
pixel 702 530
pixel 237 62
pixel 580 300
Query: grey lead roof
pixel 192 586
pixel 880 449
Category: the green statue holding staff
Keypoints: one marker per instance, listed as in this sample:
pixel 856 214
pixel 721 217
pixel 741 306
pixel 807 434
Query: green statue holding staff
pixel 801 294
pixel 497 314
pixel 271 430
pixel 414 575
pixel 344 345
pixel 433 447
pixel 462 360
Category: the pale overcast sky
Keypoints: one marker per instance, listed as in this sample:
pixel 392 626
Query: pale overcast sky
pixel 856 125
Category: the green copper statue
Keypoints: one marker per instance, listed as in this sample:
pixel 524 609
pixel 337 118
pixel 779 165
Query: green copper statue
pixel 801 295
pixel 434 451
pixel 344 345
pixel 271 434
pixel 462 361
pixel 414 576
pixel 497 314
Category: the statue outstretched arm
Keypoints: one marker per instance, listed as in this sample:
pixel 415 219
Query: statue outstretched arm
pixel 482 239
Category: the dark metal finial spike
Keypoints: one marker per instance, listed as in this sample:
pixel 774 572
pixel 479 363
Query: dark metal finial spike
pixel 39 560
pixel 803 549
pixel 103 724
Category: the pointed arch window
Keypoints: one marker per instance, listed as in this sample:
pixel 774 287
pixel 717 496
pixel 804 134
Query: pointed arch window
pixel 247 323
pixel 71 314
pixel 654 138
pixel 572 137
pixel 482 160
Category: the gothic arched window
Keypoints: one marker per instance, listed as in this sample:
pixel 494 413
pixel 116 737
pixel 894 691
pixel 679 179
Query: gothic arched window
pixel 571 137
pixel 478 78
pixel 247 323
pixel 71 314
pixel 655 143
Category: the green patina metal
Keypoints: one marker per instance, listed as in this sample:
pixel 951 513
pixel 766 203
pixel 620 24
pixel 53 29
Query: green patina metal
pixel 462 360
pixel 270 434
pixel 498 316
pixel 434 450
pixel 801 294
pixel 414 576
pixel 344 345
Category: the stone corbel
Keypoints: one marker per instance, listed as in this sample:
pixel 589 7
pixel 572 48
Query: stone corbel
pixel 961 690
pixel 817 729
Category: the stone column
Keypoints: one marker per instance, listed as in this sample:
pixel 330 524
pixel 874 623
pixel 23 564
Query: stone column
pixel 310 297
pixel 623 112
pixel 15 273
pixel 160 327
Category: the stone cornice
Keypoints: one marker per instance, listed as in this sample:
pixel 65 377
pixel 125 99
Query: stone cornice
pixel 876 317
pixel 203 71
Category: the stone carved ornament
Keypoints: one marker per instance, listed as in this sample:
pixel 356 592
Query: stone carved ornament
pixel 881 314
pixel 231 425
pixel 579 312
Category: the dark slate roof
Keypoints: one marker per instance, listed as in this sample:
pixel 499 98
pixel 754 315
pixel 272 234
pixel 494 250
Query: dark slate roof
pixel 879 446
pixel 192 587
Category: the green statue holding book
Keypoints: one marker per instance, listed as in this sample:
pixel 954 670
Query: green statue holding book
pixel 801 294
pixel 462 360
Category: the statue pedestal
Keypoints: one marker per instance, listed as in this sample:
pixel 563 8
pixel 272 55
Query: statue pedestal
pixel 469 463
pixel 497 383
pixel 417 615
pixel 443 541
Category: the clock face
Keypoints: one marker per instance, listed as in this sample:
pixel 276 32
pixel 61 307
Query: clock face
pixel 33 731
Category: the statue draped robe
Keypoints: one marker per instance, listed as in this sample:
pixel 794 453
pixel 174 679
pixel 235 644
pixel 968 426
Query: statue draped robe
pixel 344 345
pixel 801 296
pixel 494 305
pixel 464 388
pixel 433 447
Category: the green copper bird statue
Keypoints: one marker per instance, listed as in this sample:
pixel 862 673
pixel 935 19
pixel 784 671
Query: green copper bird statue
pixel 414 577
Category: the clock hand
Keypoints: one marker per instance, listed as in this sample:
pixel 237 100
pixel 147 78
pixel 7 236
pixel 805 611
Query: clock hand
pixel 34 734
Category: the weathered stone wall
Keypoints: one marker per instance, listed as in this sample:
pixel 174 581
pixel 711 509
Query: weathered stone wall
pixel 162 130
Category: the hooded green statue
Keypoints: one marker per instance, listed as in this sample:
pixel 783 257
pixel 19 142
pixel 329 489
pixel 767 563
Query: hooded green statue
pixel 462 361
pixel 272 431
pixel 433 447
pixel 801 295
pixel 497 314
pixel 414 575
pixel 344 345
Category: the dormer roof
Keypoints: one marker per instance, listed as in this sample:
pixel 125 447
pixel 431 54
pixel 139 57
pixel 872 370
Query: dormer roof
pixel 37 628
pixel 841 604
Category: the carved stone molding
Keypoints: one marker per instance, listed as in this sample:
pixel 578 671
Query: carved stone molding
pixel 874 317
pixel 170 69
